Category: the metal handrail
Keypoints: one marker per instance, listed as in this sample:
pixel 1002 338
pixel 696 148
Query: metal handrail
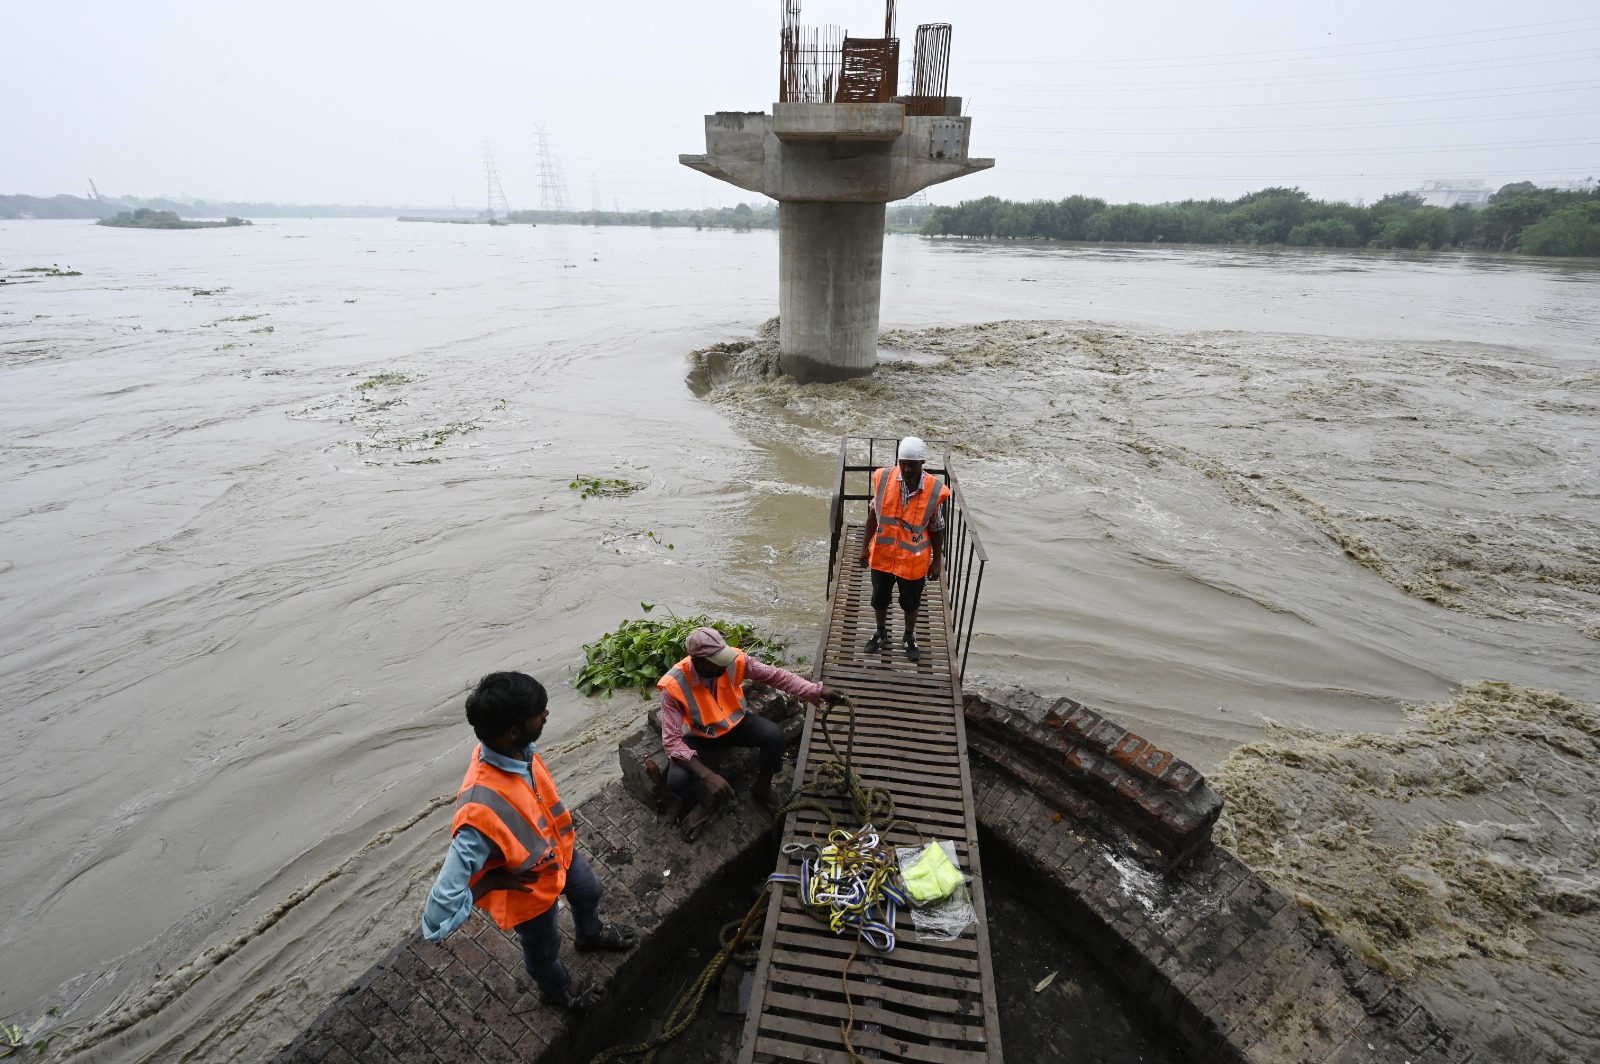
pixel 964 556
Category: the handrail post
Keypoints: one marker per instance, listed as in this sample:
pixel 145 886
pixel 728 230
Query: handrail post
pixel 836 514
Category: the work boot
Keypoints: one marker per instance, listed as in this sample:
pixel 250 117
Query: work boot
pixel 913 652
pixel 875 644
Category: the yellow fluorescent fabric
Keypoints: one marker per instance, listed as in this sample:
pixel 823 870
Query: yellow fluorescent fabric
pixel 932 876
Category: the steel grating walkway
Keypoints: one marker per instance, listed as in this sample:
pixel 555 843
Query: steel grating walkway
pixel 922 1002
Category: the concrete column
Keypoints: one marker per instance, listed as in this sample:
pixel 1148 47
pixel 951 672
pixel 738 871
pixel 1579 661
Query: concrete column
pixel 830 270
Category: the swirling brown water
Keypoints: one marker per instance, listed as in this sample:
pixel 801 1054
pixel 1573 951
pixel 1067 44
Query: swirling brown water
pixel 243 594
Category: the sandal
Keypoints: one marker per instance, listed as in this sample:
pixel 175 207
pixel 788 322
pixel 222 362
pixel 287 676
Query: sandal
pixel 690 828
pixel 614 938
pixel 688 831
pixel 587 996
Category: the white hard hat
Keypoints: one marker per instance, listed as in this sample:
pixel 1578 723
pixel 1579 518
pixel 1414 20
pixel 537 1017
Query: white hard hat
pixel 913 449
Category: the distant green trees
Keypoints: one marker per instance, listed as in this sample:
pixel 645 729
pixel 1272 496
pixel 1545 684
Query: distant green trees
pixel 1519 217
pixel 1573 230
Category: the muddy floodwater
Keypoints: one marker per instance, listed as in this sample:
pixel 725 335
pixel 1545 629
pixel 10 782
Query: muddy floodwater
pixel 1327 524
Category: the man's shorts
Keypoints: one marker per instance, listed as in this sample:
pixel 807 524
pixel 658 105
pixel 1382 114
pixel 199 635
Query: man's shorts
pixel 883 585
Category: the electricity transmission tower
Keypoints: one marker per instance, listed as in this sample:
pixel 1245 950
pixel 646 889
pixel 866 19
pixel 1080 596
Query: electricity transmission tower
pixel 491 178
pixel 552 182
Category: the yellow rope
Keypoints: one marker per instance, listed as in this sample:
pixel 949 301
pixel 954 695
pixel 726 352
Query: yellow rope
pixel 847 861
pixel 870 803
pixel 688 1004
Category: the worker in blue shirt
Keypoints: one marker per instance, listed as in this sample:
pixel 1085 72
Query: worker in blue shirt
pixel 512 850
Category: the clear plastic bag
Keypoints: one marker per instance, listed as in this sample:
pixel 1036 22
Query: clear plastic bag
pixel 943 920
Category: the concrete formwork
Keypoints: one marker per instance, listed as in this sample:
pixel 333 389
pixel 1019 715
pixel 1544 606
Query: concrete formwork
pixel 832 167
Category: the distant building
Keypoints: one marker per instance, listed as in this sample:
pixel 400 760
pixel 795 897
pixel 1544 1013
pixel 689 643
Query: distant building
pixel 1449 193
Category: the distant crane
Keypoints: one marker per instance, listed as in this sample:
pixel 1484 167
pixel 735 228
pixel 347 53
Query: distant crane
pixel 94 193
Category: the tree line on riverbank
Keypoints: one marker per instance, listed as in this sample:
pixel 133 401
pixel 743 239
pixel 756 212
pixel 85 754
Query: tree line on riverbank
pixel 741 217
pixel 1520 217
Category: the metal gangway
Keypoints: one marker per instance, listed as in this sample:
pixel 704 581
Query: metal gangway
pixel 922 1001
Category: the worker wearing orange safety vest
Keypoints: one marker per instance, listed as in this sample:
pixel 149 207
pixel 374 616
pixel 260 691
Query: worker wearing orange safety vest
pixel 703 711
pixel 512 849
pixel 904 540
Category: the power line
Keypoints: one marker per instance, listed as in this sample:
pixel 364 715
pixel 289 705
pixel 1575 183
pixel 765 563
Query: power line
pixel 1307 152
pixel 1426 97
pixel 1291 54
pixel 1116 64
pixel 1318 128
pixel 1430 70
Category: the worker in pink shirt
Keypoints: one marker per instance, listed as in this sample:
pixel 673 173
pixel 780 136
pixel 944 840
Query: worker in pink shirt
pixel 703 709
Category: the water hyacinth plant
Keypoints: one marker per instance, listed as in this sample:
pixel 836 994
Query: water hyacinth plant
pixel 637 653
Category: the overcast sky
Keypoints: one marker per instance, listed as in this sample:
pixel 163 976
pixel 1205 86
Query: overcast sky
pixel 389 103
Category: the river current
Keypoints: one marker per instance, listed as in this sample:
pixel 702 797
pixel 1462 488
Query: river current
pixel 1324 523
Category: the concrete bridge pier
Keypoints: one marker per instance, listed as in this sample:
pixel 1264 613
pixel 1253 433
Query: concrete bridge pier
pixel 833 167
pixel 830 274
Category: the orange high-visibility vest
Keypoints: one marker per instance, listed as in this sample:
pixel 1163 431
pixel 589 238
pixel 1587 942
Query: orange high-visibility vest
pixel 529 828
pixel 901 545
pixel 708 711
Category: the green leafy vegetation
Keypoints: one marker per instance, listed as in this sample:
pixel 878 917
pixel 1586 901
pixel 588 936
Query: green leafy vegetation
pixel 51 271
pixel 604 487
pixel 1573 230
pixel 639 652
pixel 13 1040
pixel 384 380
pixel 145 218
pixel 1520 217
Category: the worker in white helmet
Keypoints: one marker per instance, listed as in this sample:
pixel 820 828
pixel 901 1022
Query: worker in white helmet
pixel 904 540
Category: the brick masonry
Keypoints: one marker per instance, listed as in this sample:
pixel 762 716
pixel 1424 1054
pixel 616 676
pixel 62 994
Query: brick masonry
pixel 1102 774
pixel 1229 964
pixel 468 1001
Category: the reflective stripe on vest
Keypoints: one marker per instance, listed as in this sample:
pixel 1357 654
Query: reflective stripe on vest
pixel 709 712
pixel 902 545
pixel 531 838
pixel 530 831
